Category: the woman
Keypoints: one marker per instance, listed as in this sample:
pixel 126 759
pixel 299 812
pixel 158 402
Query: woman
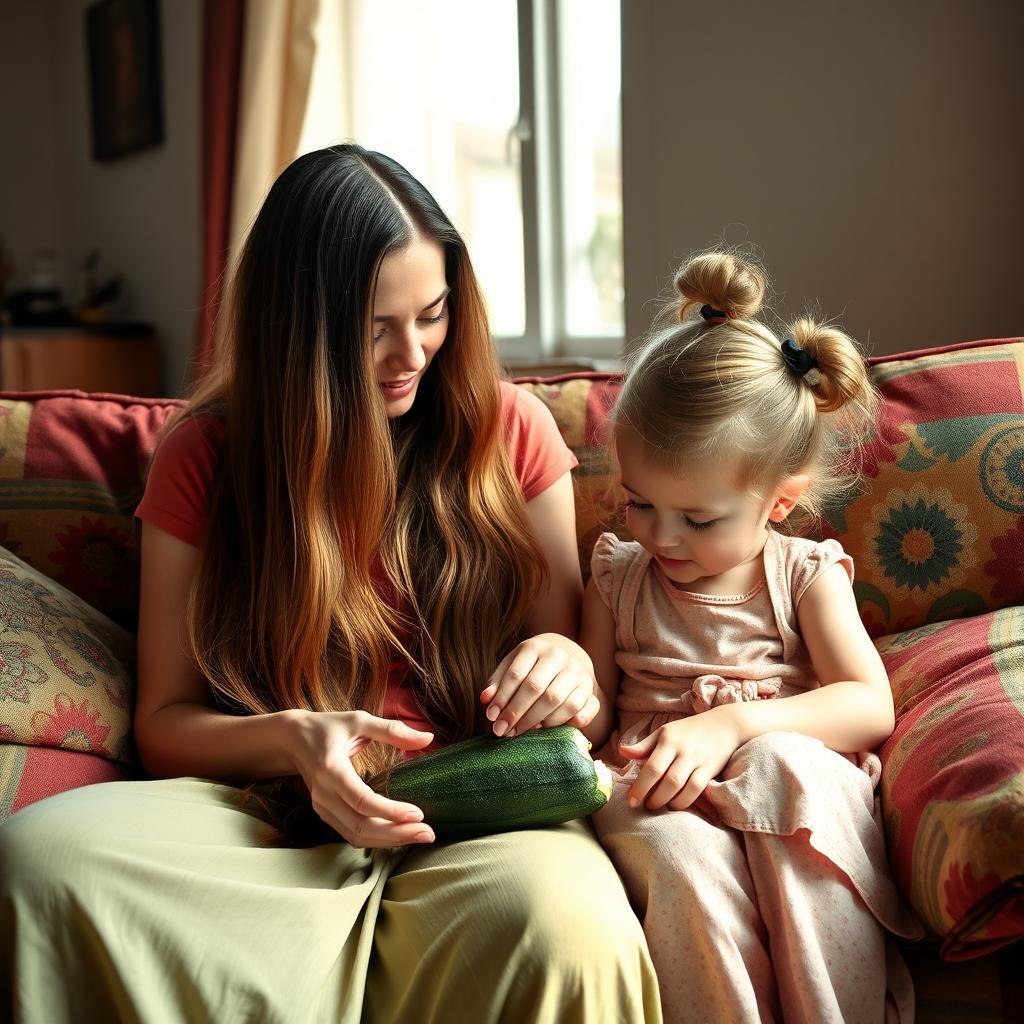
pixel 355 542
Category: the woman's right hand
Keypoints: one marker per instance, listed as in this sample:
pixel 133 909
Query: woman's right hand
pixel 324 745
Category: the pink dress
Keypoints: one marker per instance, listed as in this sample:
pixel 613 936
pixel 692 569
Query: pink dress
pixel 769 898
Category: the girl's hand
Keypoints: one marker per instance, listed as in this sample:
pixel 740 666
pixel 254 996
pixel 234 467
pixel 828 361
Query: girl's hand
pixel 682 758
pixel 325 743
pixel 545 681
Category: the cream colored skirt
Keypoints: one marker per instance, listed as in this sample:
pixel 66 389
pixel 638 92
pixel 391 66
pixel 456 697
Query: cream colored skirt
pixel 164 902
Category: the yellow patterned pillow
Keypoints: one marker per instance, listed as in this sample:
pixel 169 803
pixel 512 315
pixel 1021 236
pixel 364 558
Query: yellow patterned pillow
pixel 67 672
pixel 580 404
pixel 937 530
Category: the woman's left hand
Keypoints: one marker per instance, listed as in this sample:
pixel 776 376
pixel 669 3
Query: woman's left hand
pixel 545 681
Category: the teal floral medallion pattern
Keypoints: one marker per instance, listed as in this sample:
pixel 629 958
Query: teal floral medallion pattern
pixel 1002 469
pixel 922 540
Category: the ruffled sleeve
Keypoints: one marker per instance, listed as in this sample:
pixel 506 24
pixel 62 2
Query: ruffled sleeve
pixel 602 567
pixel 813 558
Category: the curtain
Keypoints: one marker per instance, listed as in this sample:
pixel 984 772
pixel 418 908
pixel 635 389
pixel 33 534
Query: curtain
pixel 277 67
pixel 257 68
pixel 223 26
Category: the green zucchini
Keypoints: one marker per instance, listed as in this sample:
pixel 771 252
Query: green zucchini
pixel 486 784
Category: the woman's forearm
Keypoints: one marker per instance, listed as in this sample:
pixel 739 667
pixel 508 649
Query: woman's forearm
pixel 846 716
pixel 192 739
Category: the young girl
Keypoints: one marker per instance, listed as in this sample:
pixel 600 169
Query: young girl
pixel 741 685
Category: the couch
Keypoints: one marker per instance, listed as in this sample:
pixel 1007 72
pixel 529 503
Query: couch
pixel 936 532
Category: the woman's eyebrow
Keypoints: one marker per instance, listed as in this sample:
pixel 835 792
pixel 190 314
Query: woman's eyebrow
pixel 429 305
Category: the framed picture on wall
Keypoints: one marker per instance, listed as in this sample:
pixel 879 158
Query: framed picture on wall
pixel 123 38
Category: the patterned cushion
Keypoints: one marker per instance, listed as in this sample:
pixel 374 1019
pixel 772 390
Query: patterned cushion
pixel 580 405
pixel 66 671
pixel 939 531
pixel 936 533
pixel 953 778
pixel 71 472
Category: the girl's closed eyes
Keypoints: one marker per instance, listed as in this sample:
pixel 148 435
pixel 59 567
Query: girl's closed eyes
pixel 640 506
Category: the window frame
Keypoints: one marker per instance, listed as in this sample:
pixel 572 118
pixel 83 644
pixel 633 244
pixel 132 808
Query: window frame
pixel 537 135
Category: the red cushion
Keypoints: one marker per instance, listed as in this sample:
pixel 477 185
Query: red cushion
pixel 28 774
pixel 72 466
pixel 953 777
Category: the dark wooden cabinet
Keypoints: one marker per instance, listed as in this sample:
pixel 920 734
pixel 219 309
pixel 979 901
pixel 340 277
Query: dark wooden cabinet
pixel 123 358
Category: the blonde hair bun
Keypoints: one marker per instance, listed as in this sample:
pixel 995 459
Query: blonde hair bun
pixel 722 281
pixel 841 366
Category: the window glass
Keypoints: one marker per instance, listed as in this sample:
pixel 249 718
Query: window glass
pixel 436 86
pixel 589 72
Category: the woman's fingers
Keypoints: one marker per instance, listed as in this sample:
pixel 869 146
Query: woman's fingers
pixel 363 816
pixel 341 798
pixel 368 802
pixel 549 690
pixel 564 715
pixel 371 833
pixel 540 683
pixel 544 689
pixel 390 731
pixel 563 702
pixel 507 679
pixel 586 714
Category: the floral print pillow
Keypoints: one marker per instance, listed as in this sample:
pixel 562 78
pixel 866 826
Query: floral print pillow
pixel 937 530
pixel 953 778
pixel 72 467
pixel 67 672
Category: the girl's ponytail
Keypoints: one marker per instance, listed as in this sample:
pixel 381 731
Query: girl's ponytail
pixel 721 284
pixel 842 375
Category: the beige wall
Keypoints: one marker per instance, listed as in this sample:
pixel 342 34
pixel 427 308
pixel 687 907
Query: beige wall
pixel 873 151
pixel 141 211
pixel 29 214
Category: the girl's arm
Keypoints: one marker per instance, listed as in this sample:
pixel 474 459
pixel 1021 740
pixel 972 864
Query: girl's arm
pixel 597 637
pixel 853 708
pixel 547 679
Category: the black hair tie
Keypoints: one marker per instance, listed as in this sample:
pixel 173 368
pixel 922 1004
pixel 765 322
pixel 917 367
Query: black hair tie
pixel 799 361
pixel 710 313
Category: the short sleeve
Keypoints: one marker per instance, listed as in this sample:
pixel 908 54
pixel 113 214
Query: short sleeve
pixel 602 567
pixel 817 557
pixel 177 495
pixel 539 455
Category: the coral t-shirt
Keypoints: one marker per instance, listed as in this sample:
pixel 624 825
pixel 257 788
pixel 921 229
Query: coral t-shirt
pixel 177 495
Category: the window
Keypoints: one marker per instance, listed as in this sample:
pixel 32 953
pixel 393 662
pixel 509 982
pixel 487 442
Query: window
pixel 509 113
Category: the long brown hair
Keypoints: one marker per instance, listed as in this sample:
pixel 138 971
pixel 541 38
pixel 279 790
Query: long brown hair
pixel 338 537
